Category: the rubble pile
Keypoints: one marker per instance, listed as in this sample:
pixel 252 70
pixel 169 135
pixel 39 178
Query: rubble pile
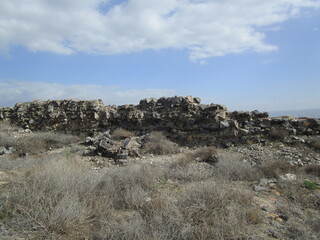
pixel 119 150
pixel 178 116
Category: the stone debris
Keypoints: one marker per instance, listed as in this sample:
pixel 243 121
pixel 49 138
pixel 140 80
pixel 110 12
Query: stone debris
pixel 4 150
pixel 119 150
pixel 264 184
pixel 288 177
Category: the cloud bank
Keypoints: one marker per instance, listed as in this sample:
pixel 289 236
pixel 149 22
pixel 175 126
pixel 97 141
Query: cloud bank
pixel 206 28
pixel 12 91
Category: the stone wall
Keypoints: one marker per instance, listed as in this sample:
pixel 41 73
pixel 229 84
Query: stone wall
pixel 178 116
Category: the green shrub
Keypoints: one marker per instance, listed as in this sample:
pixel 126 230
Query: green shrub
pixel 311 185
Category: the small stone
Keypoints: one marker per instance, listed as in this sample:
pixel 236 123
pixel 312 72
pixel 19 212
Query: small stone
pixel 288 177
pixel 258 188
pixel 263 182
pixel 224 124
pixel 107 134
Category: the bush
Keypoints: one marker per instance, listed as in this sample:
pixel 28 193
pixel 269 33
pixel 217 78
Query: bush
pixel 315 143
pixel 311 185
pixel 278 133
pixel 203 154
pixel 231 168
pixel 61 198
pixel 128 187
pixel 42 141
pixel 275 168
pixel 212 210
pixel 6 140
pixel 6 126
pixel 55 197
pixel 120 133
pixel 157 143
pixel 313 169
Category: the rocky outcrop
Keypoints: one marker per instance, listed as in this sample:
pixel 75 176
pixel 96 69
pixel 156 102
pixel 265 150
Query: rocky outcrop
pixel 183 117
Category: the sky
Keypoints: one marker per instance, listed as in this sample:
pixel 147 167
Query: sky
pixel 245 54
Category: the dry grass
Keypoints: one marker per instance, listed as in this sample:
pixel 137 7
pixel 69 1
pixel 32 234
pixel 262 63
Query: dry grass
pixel 298 203
pixel 60 197
pixel 6 140
pixel 6 126
pixel 203 154
pixel 64 199
pixel 231 168
pixel 37 142
pixel 227 166
pixel 275 168
pixel 43 141
pixel 120 133
pixel 157 143
pixel 54 198
pixel 211 210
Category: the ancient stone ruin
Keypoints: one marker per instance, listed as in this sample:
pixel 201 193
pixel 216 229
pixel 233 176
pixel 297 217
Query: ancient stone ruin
pixel 183 119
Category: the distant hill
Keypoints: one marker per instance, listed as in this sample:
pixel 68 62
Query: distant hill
pixel 313 113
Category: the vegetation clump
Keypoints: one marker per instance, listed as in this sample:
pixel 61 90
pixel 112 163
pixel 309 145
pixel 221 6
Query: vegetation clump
pixel 157 143
pixel 278 133
pixel 120 134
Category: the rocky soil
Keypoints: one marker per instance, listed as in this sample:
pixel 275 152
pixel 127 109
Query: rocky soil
pixel 281 176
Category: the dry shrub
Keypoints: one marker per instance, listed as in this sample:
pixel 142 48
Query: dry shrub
pixel 253 216
pixel 299 196
pixel 128 187
pixel 315 224
pixel 313 169
pixel 122 225
pixel 278 133
pixel 42 141
pixel 55 197
pixel 203 154
pixel 6 140
pixel 297 207
pixel 230 167
pixel 212 210
pixel 120 133
pixel 157 143
pixel 190 172
pixel 275 168
pixel 315 143
pixel 6 126
pixel 62 198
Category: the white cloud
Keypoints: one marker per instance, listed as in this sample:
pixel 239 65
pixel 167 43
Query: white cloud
pixel 206 28
pixel 12 91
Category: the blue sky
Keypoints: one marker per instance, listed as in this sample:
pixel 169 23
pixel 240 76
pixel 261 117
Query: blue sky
pixel 244 54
